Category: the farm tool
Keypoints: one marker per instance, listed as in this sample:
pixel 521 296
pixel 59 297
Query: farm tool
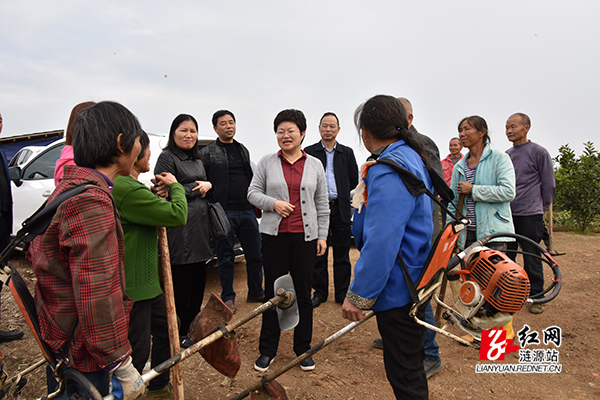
pixel 212 324
pixel 269 387
pixel 223 355
pixel 488 288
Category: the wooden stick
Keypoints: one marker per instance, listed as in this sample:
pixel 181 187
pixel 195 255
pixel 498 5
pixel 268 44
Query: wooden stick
pixel 552 250
pixel 442 294
pixel 282 297
pixel 439 310
pixel 551 230
pixel 303 356
pixel 165 264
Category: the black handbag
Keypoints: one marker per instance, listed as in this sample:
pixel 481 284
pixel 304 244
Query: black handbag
pixel 219 224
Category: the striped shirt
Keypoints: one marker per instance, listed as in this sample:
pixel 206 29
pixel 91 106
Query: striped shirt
pixel 470 176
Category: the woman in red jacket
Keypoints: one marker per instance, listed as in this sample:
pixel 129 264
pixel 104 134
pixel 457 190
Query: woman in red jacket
pixel 448 164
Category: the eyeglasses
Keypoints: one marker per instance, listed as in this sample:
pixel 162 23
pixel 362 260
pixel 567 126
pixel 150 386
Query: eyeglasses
pixel 281 133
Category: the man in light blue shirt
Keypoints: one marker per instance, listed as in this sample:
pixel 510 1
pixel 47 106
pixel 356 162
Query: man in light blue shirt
pixel 341 172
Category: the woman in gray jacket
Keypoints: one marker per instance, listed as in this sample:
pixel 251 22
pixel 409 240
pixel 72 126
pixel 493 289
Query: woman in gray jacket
pixel 290 187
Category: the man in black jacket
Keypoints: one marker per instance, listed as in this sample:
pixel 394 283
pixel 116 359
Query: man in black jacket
pixel 342 176
pixel 227 164
pixel 6 223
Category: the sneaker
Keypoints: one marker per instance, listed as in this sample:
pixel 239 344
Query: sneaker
pixel 307 365
pixel 378 343
pixel 165 393
pixel 537 308
pixel 432 366
pixel 263 362
pixel 185 342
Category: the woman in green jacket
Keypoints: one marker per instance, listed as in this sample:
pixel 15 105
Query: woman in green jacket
pixel 141 212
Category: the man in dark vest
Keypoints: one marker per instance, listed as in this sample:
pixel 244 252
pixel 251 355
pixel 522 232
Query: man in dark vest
pixel 341 172
pixel 227 164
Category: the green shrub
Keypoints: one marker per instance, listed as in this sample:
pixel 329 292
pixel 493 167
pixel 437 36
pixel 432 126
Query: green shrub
pixel 578 185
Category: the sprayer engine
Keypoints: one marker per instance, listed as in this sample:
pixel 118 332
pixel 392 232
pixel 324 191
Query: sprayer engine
pixel 493 288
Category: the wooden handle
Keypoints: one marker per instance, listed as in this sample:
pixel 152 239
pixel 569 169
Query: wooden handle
pixel 165 265
pixel 461 201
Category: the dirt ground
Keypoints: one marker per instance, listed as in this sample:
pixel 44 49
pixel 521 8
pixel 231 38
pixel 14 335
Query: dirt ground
pixel 352 369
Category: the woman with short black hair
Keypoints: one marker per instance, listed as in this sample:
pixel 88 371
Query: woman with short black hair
pixel 80 290
pixel 291 189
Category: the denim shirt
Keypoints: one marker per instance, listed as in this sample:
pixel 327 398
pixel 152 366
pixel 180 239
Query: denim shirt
pixel 493 190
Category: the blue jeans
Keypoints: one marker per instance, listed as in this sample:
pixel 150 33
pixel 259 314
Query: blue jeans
pixel 245 227
pixel 432 351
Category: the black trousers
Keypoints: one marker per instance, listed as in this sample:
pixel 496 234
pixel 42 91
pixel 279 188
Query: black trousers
pixel 531 226
pixel 189 281
pixel 148 323
pixel 288 252
pixel 339 238
pixel 403 352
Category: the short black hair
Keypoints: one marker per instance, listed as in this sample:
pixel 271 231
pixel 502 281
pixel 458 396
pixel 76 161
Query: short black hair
pixel 328 114
pixel 145 143
pixel 219 114
pixel 174 125
pixel 95 133
pixel 291 115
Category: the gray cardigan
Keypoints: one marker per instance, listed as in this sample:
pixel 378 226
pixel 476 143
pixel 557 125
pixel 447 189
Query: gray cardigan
pixel 268 185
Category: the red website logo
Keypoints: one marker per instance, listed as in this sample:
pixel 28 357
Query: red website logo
pixel 494 345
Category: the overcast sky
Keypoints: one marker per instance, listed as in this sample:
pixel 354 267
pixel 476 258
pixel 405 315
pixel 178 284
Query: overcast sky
pixel 450 58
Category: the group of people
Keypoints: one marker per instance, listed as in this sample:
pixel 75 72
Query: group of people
pixel 98 292
pixel 504 191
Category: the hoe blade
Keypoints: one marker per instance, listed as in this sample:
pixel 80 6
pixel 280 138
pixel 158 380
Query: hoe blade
pixel 271 391
pixel 288 317
pixel 223 355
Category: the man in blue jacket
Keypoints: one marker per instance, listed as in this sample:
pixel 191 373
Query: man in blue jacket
pixel 341 172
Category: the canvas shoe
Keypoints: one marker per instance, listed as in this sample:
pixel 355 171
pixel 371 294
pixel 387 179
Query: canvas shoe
pixel 263 362
pixel 307 365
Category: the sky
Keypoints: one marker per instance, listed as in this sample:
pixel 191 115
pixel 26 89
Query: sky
pixel 452 59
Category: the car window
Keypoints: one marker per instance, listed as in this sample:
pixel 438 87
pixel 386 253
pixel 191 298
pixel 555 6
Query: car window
pixel 43 166
pixel 20 157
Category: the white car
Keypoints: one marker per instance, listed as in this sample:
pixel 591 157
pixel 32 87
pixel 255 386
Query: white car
pixel 24 155
pixel 33 179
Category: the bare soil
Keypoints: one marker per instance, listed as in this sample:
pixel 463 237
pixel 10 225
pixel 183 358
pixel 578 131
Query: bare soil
pixel 352 369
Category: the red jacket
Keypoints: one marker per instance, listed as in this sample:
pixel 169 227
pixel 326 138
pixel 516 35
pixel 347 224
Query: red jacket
pixel 78 262
pixel 447 167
